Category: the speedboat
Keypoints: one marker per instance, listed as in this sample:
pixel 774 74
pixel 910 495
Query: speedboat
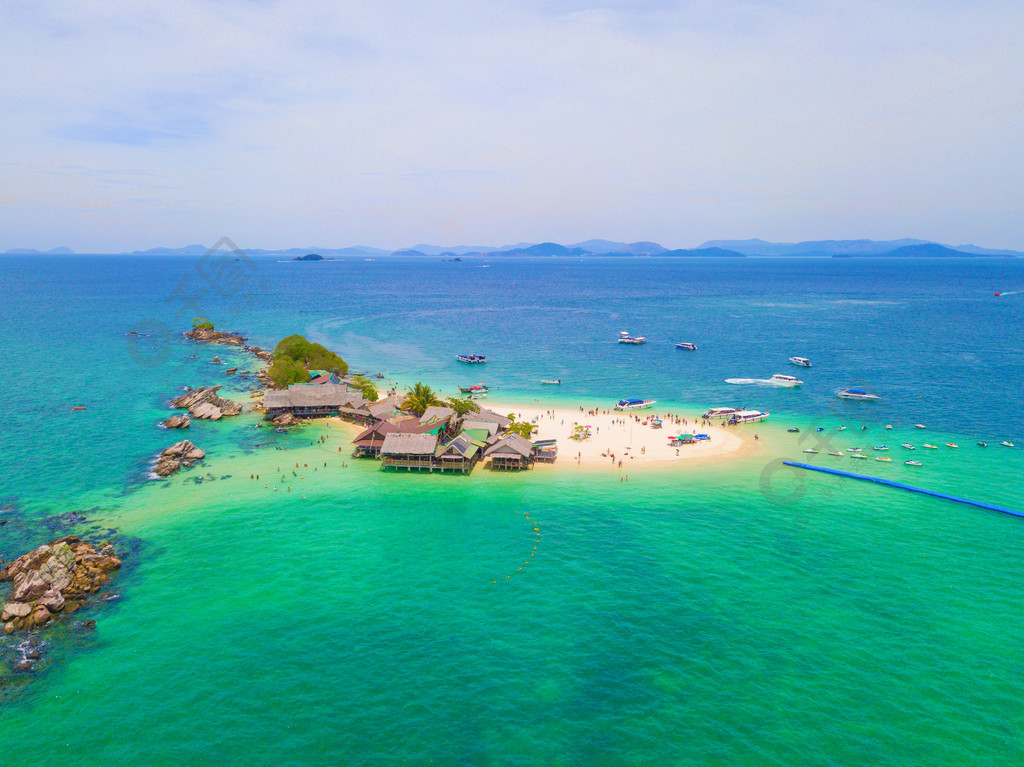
pixel 908 446
pixel 883 458
pixel 855 394
pixel 551 381
pixel 912 463
pixel 477 395
pixel 687 346
pixel 880 447
pixel 983 444
pixel 859 455
pixel 952 444
pixel 930 447
pixel 854 449
pixel 801 361
pixel 793 430
pixel 783 380
pixel 888 426
pixel 841 428
pixel 471 358
pixel 1006 444
pixel 920 426
pixel 474 388
pixel 747 416
pixel 634 404
pixel 626 338
pixel 719 412
pixel 811 450
pixel 837 454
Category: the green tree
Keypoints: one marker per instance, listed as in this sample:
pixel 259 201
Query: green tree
pixel 419 398
pixel 285 371
pixel 312 355
pixel 521 428
pixel 462 406
pixel 367 387
pixel 198 323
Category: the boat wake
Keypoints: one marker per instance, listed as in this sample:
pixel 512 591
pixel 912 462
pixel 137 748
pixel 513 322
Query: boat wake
pixel 751 381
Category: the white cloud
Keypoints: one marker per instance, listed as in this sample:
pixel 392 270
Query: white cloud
pixel 393 123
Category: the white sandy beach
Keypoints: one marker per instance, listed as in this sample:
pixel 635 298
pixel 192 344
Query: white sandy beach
pixel 628 436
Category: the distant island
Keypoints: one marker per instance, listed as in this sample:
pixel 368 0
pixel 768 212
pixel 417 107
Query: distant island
pixel 754 248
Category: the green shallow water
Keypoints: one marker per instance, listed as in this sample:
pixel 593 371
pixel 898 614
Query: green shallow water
pixel 728 612
pixel 678 618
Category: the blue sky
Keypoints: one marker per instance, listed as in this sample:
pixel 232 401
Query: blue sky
pixel 277 124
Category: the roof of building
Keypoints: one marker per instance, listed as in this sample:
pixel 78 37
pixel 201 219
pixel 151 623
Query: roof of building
pixel 510 444
pixel 461 445
pixel 489 426
pixel 409 444
pixel 305 395
pixel 436 414
pixel 489 416
pixel 384 408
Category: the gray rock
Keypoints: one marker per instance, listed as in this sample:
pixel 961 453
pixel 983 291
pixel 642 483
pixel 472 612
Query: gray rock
pixel 16 610
pixel 178 422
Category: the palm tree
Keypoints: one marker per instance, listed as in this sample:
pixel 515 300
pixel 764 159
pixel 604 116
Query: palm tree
pixel 419 398
pixel 462 406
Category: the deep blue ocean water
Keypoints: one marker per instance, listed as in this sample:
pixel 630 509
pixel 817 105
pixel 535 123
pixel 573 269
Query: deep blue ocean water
pixel 694 618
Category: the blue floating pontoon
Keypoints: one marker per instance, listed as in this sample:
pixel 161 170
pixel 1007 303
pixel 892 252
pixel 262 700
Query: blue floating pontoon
pixel 901 486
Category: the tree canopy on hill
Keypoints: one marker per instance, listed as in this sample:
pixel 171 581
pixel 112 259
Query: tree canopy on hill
pixel 295 356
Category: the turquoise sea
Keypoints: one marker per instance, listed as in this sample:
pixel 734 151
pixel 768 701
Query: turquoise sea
pixel 733 612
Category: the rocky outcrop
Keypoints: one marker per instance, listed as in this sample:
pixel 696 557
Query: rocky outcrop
pixel 285 419
pixel 215 337
pixel 204 403
pixel 177 422
pixel 230 371
pixel 180 454
pixel 55 578
pixel 260 354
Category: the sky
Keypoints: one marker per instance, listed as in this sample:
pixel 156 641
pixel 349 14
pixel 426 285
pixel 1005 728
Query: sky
pixel 131 125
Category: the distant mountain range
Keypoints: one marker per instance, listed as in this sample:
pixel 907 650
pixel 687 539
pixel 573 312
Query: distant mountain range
pixel 906 248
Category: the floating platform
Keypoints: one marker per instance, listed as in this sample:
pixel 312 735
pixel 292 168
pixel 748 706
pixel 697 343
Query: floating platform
pixel 901 486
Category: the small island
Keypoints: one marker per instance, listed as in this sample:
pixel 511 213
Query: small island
pixel 310 257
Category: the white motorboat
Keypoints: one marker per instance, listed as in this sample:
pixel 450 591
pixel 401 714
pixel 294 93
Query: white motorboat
pixel 856 394
pixel 783 380
pixel 634 404
pixel 801 361
pixel 747 416
pixel 719 412
pixel 626 338
pixel 687 346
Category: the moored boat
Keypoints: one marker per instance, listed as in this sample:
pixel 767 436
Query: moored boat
pixel 859 455
pixel 908 446
pixel 687 346
pixel 474 388
pixel 930 447
pixel 810 450
pixel 719 412
pixel 920 426
pixel 880 447
pixel 747 416
pixel 551 381
pixel 837 454
pixel 626 338
pixel 883 458
pixel 634 404
pixel 952 444
pixel 912 463
pixel 471 358
pixel 1005 443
